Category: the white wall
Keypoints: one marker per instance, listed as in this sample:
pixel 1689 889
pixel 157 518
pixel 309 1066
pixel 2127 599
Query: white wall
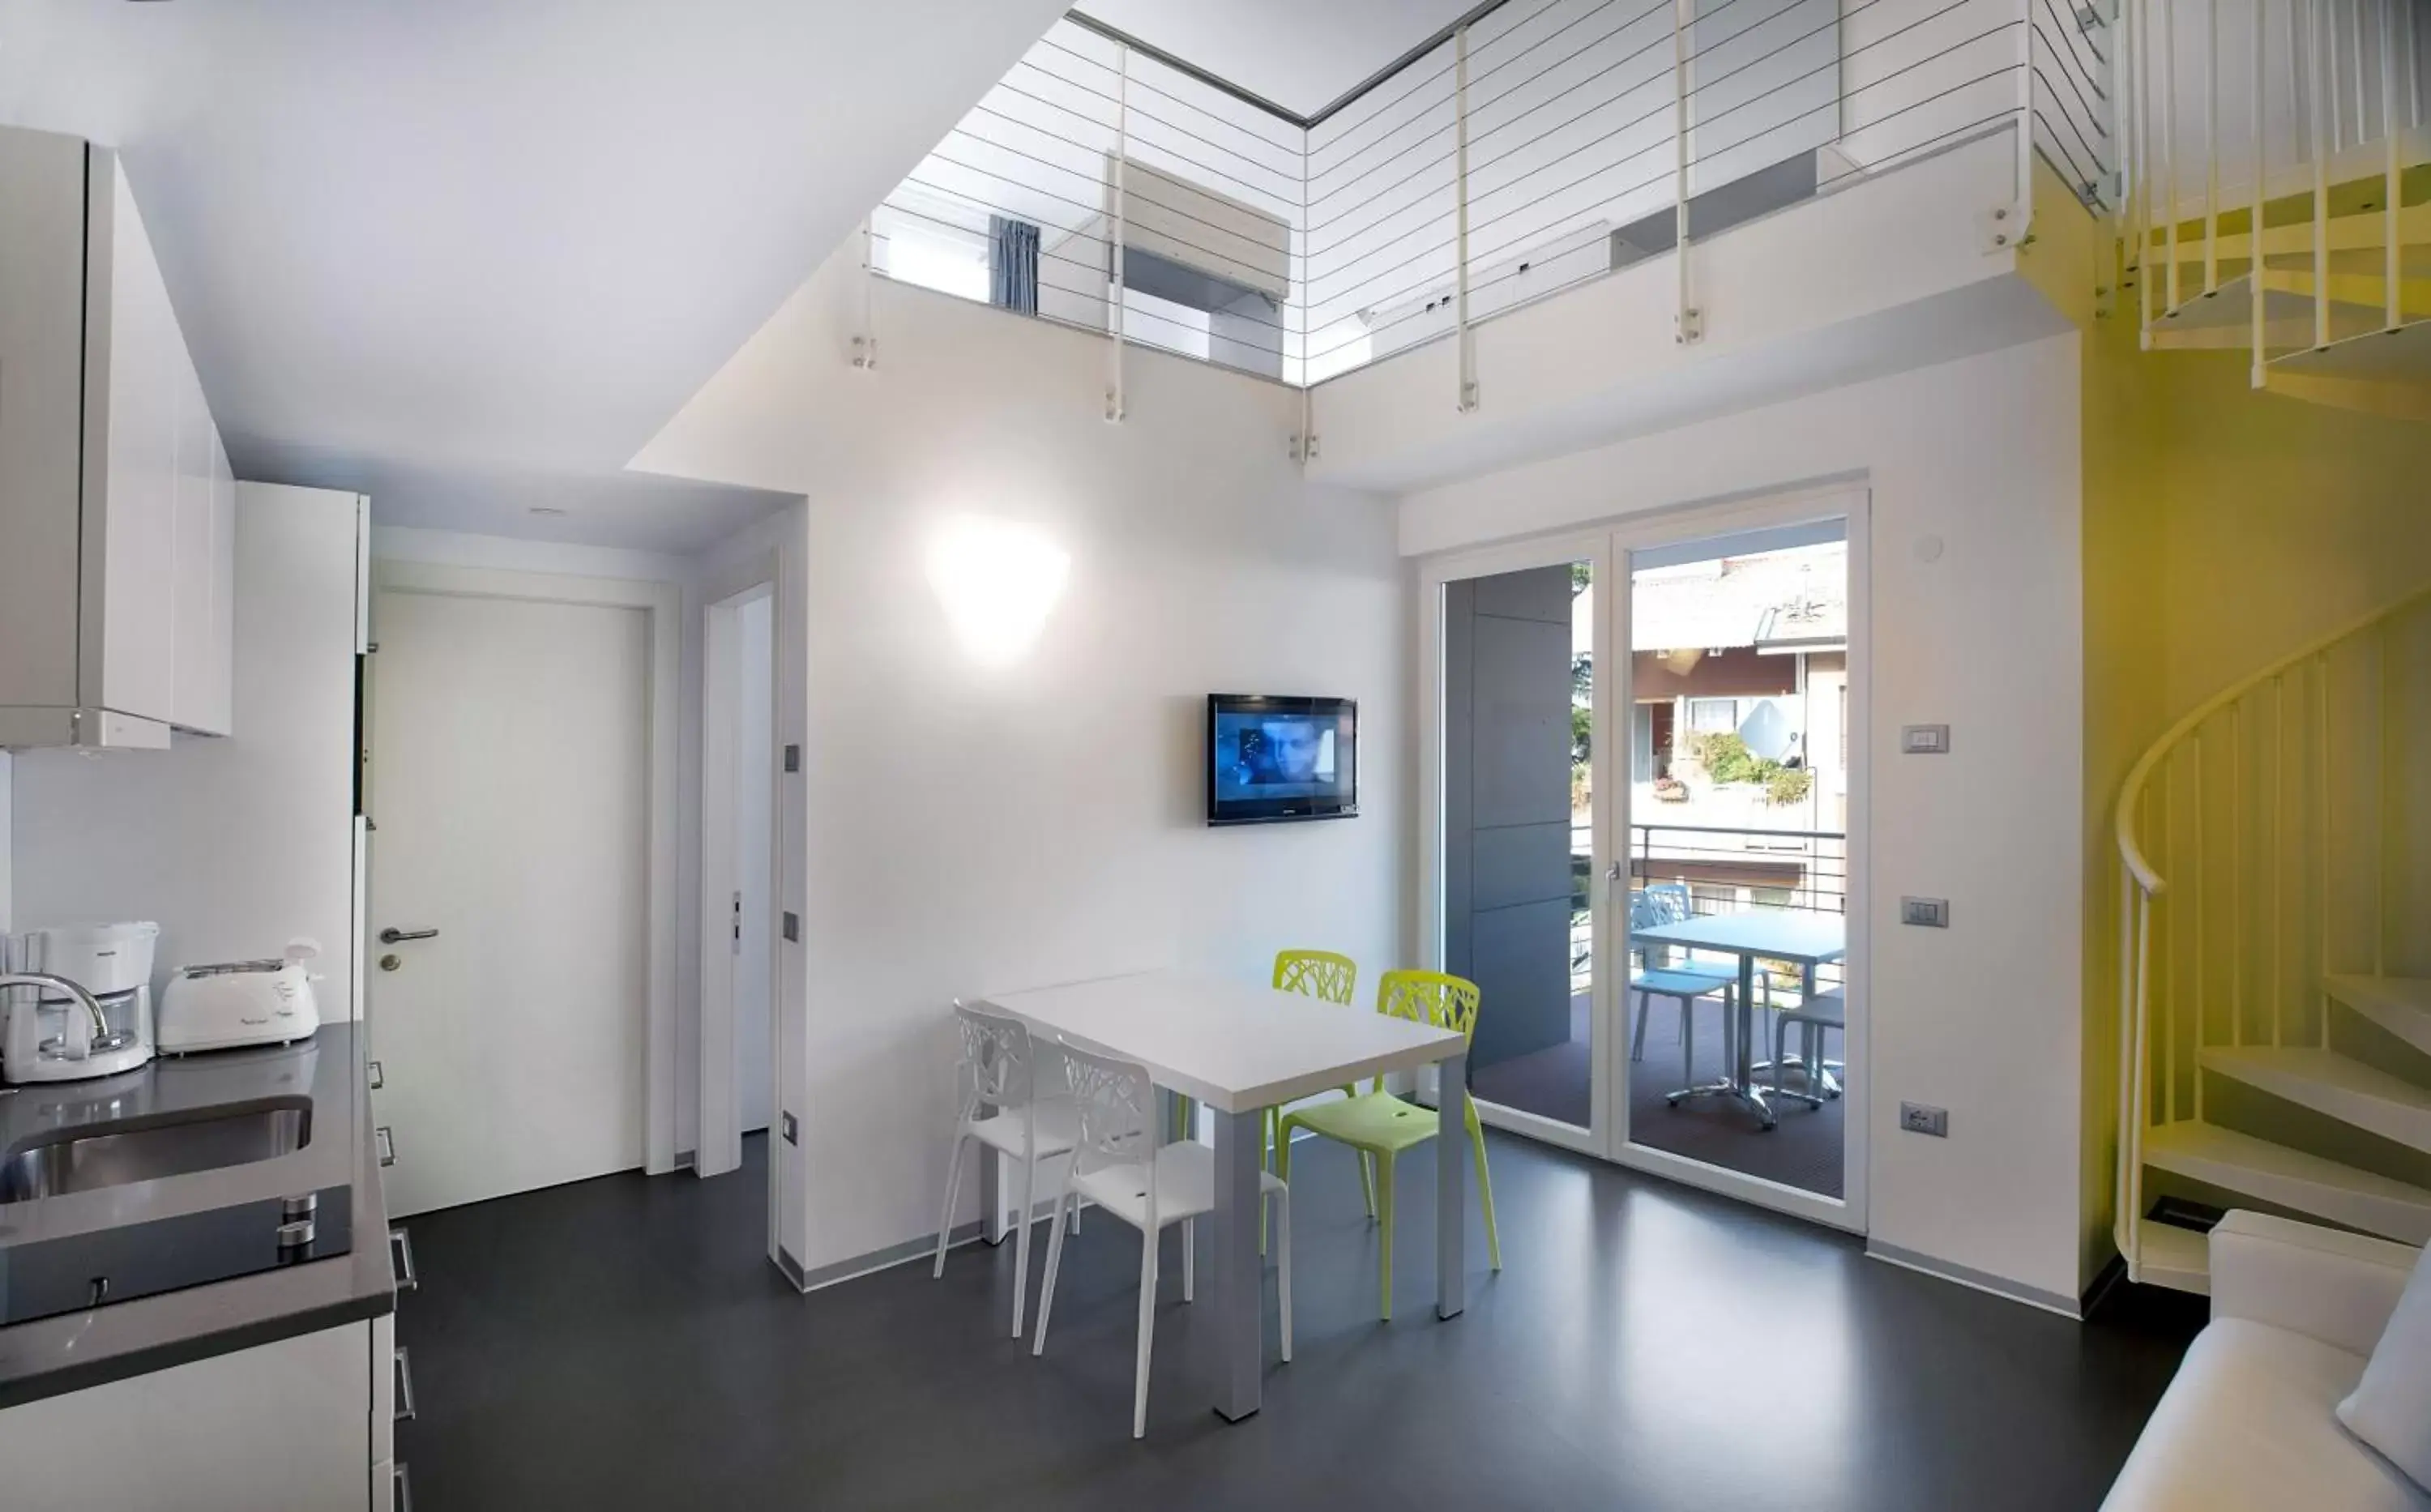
pixel 233 845
pixel 969 827
pixel 1975 476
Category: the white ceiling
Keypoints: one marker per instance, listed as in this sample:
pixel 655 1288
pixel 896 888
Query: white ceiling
pixel 1301 55
pixel 469 255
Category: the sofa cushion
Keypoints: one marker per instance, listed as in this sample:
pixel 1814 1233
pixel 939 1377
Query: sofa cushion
pixel 2390 1409
pixel 2251 1423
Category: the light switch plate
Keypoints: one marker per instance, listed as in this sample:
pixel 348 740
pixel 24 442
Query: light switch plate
pixel 1929 913
pixel 793 758
pixel 794 927
pixel 793 1131
pixel 1925 1118
pixel 1924 740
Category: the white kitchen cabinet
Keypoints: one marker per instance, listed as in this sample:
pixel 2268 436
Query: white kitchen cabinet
pixel 115 495
pixel 280 1425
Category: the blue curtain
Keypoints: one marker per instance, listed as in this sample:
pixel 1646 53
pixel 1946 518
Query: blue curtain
pixel 1012 264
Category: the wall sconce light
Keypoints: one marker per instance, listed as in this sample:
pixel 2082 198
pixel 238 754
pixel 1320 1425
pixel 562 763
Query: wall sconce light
pixel 998 581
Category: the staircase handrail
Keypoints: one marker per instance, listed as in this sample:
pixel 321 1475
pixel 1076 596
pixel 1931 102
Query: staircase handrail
pixel 2131 791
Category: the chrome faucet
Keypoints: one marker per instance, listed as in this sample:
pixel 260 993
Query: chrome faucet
pixel 103 1039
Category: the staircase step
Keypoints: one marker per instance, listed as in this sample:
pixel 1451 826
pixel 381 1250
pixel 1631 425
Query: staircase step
pixel 2291 1179
pixel 2170 1256
pixel 2330 1083
pixel 2402 1005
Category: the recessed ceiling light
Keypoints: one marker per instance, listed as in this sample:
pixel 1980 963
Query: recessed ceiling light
pixel 546 508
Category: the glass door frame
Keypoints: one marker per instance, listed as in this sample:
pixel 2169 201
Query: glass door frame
pixel 1435 575
pixel 1610 546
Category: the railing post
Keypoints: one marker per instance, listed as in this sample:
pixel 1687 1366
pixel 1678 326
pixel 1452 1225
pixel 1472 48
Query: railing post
pixel 865 346
pixel 2395 165
pixel 2170 134
pixel 2211 147
pixel 2130 1144
pixel 2260 376
pixel 2139 35
pixel 1687 326
pixel 2320 177
pixel 1468 337
pixel 1114 281
pixel 2025 205
pixel 2279 857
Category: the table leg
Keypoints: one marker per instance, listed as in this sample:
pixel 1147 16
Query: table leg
pixel 1452 1188
pixel 1239 1291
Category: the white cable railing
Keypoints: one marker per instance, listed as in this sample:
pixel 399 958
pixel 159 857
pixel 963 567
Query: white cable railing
pixel 2252 842
pixel 1540 144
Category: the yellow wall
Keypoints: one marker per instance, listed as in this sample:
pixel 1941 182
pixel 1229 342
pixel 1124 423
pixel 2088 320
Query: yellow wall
pixel 2222 528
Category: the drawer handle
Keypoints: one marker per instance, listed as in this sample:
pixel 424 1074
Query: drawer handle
pixel 404 1489
pixel 386 1143
pixel 401 1260
pixel 379 1077
pixel 404 1387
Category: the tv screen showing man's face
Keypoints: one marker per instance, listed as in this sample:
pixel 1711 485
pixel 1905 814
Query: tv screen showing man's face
pixel 1297 747
pixel 1278 755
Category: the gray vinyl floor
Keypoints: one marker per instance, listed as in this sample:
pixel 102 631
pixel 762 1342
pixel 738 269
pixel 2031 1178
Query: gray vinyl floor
pixel 622 1343
pixel 1803 1150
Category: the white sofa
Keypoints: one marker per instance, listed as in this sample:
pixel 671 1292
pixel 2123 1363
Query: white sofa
pixel 2250 1421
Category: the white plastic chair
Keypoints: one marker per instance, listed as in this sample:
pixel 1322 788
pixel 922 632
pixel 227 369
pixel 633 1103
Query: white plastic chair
pixel 1688 979
pixel 1120 1167
pixel 997 1071
pixel 1815 1015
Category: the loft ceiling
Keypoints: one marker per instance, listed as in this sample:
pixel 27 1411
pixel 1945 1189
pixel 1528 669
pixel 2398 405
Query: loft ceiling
pixel 1302 55
pixel 469 256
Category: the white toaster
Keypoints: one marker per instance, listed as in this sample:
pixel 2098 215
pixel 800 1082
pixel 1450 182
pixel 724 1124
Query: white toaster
pixel 233 1003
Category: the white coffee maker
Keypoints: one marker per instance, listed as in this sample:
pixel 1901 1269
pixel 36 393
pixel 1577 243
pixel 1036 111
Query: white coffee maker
pixel 75 1001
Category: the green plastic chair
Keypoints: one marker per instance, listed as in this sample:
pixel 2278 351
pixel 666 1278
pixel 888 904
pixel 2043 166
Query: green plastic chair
pixel 1380 1126
pixel 1329 978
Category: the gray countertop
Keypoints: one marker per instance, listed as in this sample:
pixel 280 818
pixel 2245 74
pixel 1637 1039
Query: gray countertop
pixel 67 1353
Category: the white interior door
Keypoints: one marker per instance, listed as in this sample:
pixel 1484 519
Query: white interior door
pixel 510 756
pixel 755 830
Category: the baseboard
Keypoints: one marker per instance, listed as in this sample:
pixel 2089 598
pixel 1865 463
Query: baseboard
pixel 892 1256
pixel 2105 1285
pixel 790 1267
pixel 2049 1301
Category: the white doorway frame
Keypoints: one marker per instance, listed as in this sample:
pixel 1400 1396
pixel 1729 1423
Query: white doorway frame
pixel 1609 544
pixel 720 1147
pixel 662 602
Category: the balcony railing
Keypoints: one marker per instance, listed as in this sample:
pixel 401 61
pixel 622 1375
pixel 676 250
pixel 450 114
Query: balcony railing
pixel 1535 146
pixel 1726 870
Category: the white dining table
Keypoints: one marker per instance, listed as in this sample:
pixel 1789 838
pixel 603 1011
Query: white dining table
pixel 1803 937
pixel 1239 1048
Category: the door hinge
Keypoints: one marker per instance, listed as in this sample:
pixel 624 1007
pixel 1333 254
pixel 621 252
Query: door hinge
pixel 738 923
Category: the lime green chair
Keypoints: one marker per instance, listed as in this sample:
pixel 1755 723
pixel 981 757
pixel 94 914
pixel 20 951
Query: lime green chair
pixel 1328 978
pixel 1380 1125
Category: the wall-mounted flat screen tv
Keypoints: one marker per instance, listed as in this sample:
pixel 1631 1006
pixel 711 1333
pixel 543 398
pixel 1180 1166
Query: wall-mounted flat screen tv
pixel 1272 759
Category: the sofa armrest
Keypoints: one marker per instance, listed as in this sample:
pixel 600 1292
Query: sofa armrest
pixel 2329 1284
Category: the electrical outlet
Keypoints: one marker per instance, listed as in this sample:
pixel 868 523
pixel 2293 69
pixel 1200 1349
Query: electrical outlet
pixel 793 758
pixel 793 924
pixel 1929 913
pixel 1919 1118
pixel 1924 740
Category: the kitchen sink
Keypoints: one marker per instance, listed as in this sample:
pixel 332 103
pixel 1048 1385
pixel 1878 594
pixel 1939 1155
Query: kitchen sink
pixel 112 1155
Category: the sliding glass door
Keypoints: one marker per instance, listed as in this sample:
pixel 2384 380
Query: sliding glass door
pixel 1643 782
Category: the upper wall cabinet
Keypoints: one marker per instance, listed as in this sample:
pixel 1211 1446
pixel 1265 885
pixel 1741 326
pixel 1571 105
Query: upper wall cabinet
pixel 117 507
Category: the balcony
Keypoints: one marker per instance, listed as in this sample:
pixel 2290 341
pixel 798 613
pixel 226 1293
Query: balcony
pixel 1725 870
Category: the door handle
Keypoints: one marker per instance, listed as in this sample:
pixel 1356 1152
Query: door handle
pixel 393 936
